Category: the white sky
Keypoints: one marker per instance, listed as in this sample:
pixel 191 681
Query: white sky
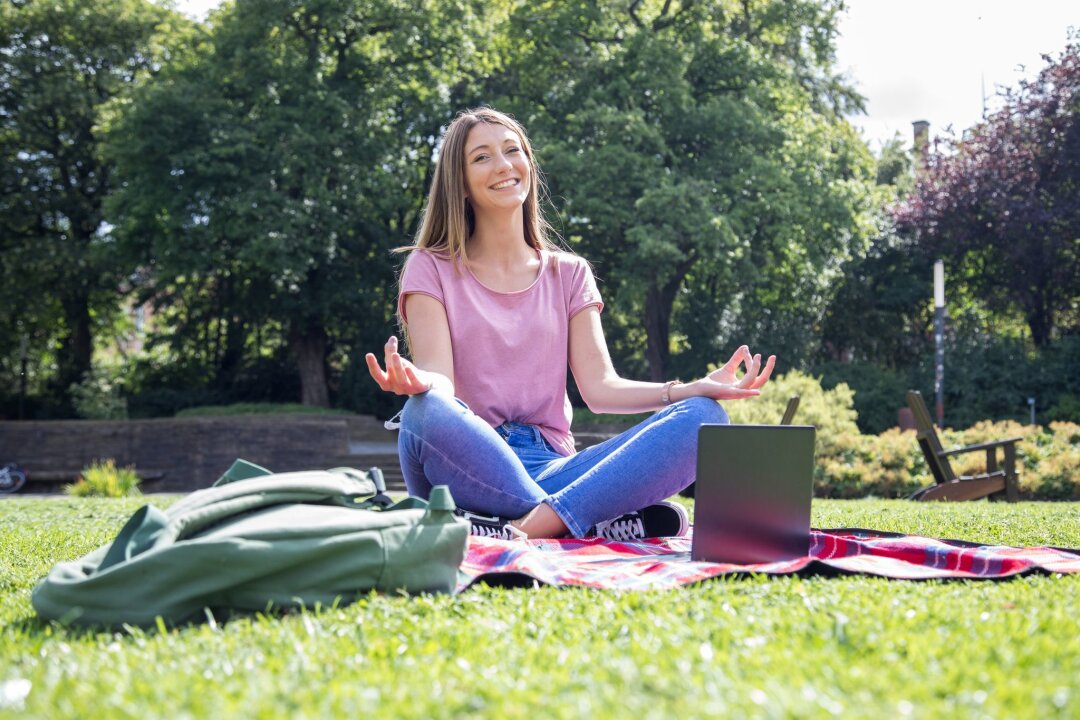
pixel 197 8
pixel 928 59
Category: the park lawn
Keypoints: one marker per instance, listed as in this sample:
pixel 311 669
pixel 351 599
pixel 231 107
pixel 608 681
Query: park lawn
pixel 755 646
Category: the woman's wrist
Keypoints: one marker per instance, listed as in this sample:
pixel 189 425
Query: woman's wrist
pixel 665 391
pixel 682 391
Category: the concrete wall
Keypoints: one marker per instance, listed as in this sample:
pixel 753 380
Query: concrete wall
pixel 190 452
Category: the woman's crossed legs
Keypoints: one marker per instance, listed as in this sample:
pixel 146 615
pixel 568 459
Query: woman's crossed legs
pixel 512 472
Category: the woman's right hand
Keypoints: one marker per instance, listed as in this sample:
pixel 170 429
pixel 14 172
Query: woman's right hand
pixel 401 377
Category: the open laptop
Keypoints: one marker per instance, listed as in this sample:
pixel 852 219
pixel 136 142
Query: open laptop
pixel 753 492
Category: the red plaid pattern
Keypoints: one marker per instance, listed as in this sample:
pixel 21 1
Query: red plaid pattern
pixel 659 563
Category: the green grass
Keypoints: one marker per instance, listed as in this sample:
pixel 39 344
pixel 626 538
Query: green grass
pixel 758 647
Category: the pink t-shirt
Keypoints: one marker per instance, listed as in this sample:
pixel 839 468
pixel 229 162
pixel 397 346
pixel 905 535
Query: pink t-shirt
pixel 510 348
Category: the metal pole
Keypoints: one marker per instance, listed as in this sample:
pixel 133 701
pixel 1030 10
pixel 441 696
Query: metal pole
pixel 22 375
pixel 939 341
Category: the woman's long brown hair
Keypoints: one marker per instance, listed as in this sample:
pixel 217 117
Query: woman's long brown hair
pixel 448 219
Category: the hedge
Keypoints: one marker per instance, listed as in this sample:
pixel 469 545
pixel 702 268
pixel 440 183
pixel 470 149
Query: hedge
pixel 850 464
pixel 891 464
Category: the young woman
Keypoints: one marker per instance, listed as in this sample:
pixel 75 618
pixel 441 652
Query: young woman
pixel 494 312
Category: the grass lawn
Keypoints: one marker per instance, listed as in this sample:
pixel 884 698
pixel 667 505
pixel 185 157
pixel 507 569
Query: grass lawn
pixel 761 647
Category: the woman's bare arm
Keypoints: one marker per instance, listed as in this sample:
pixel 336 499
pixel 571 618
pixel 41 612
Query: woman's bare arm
pixel 432 365
pixel 605 392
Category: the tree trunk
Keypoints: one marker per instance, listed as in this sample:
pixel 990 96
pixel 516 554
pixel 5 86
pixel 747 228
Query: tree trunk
pixel 659 302
pixel 78 347
pixel 231 356
pixel 231 337
pixel 1040 322
pixel 309 345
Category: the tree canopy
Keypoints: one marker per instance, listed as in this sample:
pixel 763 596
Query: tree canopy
pixel 267 180
pixel 698 156
pixel 63 64
pixel 249 176
pixel 1003 203
pixel 696 152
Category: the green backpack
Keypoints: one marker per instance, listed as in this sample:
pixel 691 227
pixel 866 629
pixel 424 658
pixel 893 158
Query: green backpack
pixel 257 541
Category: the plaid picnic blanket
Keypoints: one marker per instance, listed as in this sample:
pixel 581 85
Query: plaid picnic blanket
pixel 665 562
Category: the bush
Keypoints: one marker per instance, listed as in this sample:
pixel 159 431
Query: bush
pixel 168 401
pixel 888 465
pixel 1066 409
pixel 162 388
pixel 986 376
pixel 104 479
pixel 849 464
pixel 879 392
pixel 891 464
pixel 832 412
pixel 99 396
pixel 259 409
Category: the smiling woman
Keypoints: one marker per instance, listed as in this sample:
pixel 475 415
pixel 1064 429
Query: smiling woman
pixel 494 312
pixel 497 171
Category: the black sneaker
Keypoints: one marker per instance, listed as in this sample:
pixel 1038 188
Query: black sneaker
pixel 491 526
pixel 664 519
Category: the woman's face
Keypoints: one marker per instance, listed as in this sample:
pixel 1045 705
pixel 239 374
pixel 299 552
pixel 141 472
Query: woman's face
pixel 497 172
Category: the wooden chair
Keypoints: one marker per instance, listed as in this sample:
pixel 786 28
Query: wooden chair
pixel 789 415
pixel 947 484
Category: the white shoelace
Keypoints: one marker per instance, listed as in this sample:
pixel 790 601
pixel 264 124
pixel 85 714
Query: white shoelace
pixel 506 532
pixel 630 528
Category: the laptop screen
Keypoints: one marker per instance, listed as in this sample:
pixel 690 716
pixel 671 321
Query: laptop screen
pixel 753 493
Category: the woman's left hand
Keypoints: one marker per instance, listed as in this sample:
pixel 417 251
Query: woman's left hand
pixel 724 382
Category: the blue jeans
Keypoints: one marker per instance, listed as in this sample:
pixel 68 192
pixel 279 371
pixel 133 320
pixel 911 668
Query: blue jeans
pixel 509 470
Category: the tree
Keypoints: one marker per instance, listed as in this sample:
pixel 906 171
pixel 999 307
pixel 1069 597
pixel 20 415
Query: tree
pixel 62 63
pixel 880 311
pixel 267 181
pixel 895 168
pixel 1003 203
pixel 698 157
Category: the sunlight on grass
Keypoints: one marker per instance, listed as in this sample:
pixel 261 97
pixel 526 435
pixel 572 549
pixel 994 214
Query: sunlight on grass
pixel 755 646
